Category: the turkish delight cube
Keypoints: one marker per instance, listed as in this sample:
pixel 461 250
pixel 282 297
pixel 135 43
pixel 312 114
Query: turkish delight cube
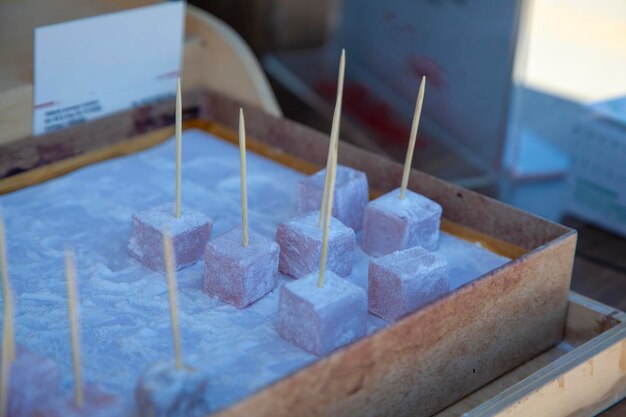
pixel 189 234
pixel 237 274
pixel 391 224
pixel 321 320
pixel 350 198
pixel 164 391
pixel 97 402
pixel 300 241
pixel 403 281
pixel 33 380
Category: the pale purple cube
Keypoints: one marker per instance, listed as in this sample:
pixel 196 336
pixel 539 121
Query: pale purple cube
pixel 164 391
pixel 321 320
pixel 350 198
pixel 189 234
pixel 237 274
pixel 403 281
pixel 33 380
pixel 300 241
pixel 391 224
pixel 97 402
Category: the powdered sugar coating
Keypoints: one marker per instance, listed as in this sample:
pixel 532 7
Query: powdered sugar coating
pixel 164 391
pixel 125 321
pixel 391 224
pixel 350 198
pixel 403 281
pixel 321 320
pixel 33 380
pixel 300 241
pixel 237 274
pixel 189 234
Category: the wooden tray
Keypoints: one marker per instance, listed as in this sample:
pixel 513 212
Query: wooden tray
pixel 581 376
pixel 426 361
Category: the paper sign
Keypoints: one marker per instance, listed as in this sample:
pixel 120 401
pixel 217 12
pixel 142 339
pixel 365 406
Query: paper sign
pixel 89 68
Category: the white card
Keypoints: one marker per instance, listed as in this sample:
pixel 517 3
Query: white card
pixel 89 68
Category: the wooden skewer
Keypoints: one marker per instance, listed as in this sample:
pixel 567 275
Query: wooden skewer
pixel 73 317
pixel 409 153
pixel 6 292
pixel 179 145
pixel 244 191
pixel 327 217
pixel 334 132
pixel 5 371
pixel 171 285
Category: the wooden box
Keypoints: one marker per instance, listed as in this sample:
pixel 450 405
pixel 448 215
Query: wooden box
pixel 424 362
pixel 581 376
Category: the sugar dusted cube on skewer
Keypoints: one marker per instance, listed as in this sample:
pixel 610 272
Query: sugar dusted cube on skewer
pixel 323 312
pixel 165 391
pixel 238 274
pixel 169 389
pixel 300 241
pixel 351 195
pixel 189 234
pixel 33 380
pixel 403 281
pixel 392 224
pixel 321 320
pixel 97 402
pixel 402 219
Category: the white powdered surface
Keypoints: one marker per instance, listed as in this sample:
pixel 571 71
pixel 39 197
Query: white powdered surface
pixel 124 306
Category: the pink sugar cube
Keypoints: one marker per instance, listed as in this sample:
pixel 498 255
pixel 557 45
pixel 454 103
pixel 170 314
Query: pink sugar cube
pixel 351 195
pixel 321 320
pixel 391 224
pixel 34 379
pixel 300 241
pixel 164 391
pixel 237 274
pixel 189 234
pixel 97 403
pixel 403 281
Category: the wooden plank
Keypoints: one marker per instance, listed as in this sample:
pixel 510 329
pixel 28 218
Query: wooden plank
pixel 583 382
pixel 47 172
pixel 586 320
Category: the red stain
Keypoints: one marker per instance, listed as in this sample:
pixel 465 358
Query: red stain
pixel 389 15
pixel 43 105
pixel 377 115
pixel 424 65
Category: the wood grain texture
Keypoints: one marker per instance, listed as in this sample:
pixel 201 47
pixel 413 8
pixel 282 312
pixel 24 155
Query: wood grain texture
pixel 587 321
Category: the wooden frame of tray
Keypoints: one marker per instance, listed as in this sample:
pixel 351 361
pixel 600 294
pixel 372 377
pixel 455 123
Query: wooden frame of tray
pixel 421 364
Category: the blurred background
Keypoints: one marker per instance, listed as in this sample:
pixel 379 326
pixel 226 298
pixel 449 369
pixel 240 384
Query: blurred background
pixel 525 100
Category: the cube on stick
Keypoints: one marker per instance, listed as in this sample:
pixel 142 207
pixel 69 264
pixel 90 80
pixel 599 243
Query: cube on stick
pixel 300 241
pixel 190 233
pixel 392 224
pixel 163 390
pixel 351 195
pixel 97 402
pixel 33 380
pixel 238 274
pixel 321 320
